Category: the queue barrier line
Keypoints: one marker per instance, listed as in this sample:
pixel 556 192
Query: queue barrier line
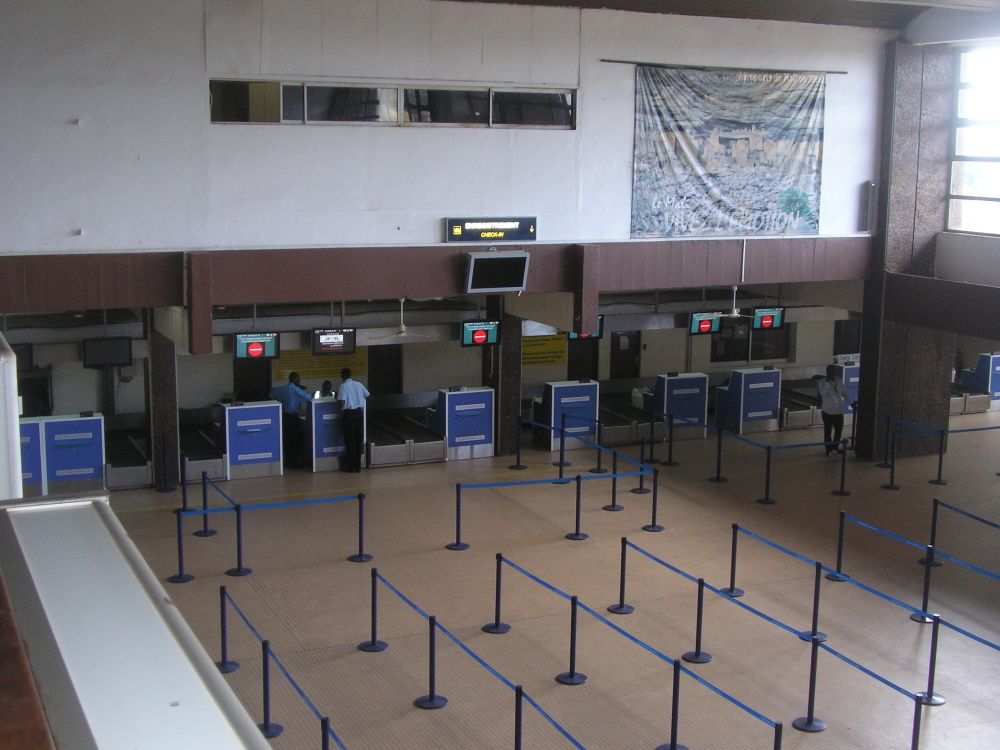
pixel 218 489
pixel 972 636
pixel 971 429
pixel 883 532
pixel 479 660
pixel 778 547
pixel 205 511
pixel 966 513
pixel 589 443
pixel 861 668
pixel 967 565
pixel 302 503
pixel 283 669
pixel 645 646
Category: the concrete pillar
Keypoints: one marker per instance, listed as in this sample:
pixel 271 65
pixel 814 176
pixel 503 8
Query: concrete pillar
pixel 163 405
pixel 502 372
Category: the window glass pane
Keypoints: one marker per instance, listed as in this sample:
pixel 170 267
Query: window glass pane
pixel 293 103
pixel 980 179
pixel 978 140
pixel 979 67
pixel 445 105
pixel 974 216
pixel 979 104
pixel 244 101
pixel 769 344
pixel 350 104
pixel 534 108
pixel 732 342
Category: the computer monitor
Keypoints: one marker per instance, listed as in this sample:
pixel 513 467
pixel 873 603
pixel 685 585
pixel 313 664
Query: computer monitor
pixel 334 341
pixel 768 318
pixel 496 272
pixel 596 334
pixel 110 352
pixel 256 345
pixel 480 332
pixel 703 323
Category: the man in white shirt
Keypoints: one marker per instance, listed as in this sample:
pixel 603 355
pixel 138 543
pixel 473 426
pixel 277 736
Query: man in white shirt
pixel 353 394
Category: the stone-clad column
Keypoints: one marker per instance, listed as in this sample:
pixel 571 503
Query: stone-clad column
pixel 502 372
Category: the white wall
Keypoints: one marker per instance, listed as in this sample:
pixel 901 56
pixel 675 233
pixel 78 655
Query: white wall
pixel 663 351
pixel 106 128
pixel 431 366
pixel 202 381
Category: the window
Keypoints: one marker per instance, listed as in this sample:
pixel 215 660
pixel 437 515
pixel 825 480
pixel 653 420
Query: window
pixel 736 342
pixel 245 101
pixel 293 102
pixel 974 190
pixel 447 105
pixel 350 104
pixel 532 108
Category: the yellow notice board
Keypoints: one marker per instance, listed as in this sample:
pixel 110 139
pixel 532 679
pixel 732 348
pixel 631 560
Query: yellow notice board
pixel 543 350
pixel 317 367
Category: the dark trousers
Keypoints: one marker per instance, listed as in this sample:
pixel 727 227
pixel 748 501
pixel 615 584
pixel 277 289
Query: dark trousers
pixel 353 439
pixel 832 423
pixel 292 439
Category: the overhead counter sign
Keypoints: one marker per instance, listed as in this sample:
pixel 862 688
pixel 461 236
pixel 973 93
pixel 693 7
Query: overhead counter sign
pixel 480 229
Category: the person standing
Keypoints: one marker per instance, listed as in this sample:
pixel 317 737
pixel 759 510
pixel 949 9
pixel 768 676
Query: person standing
pixel 292 396
pixel 833 397
pixel 353 394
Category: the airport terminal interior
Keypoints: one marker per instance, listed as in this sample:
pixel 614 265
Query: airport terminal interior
pixel 665 336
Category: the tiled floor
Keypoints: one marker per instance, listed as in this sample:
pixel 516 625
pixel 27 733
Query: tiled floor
pixel 313 604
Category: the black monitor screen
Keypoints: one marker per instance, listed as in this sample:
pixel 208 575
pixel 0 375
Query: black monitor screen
pixel 334 340
pixel 768 318
pixel 596 334
pixel 114 352
pixel 256 345
pixel 497 272
pixel 704 322
pixel 480 332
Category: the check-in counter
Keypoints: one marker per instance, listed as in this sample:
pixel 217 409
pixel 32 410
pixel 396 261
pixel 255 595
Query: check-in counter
pixel 464 418
pixel 253 440
pixel 62 454
pixel 681 395
pixel 578 400
pixel 32 467
pixel 750 402
pixel 325 427
pixel 984 378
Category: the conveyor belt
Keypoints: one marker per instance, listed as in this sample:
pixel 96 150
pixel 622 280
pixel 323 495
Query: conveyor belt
pixel 197 444
pixel 124 448
pixel 402 426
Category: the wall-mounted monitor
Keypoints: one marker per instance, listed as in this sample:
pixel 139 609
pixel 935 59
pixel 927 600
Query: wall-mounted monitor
pixel 480 332
pixel 110 352
pixel 704 322
pixel 256 345
pixel 596 334
pixel 497 272
pixel 334 340
pixel 768 318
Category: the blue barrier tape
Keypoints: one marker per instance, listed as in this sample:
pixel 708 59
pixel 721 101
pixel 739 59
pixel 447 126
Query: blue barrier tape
pixel 875 592
pixel 883 532
pixel 402 596
pixel 544 714
pixel 938 555
pixel 217 489
pixel 520 483
pixel 304 697
pixel 972 429
pixel 746 440
pixel 665 564
pixel 769 543
pixel 870 673
pixel 819 444
pixel 301 503
pixel 478 659
pixel 973 636
pixel 642 644
pixel 243 617
pixel 207 512
pixel 967 514
pixel 619 475
pixel 925 429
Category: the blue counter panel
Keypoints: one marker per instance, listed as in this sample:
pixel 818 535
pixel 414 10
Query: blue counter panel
pixel 253 434
pixel 470 418
pixel 327 428
pixel 74 450
pixel 32 462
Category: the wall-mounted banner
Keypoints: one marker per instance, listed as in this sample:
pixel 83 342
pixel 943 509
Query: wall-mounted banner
pixel 543 350
pixel 726 152
pixel 484 229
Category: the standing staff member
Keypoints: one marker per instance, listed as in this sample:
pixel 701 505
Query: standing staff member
pixel 834 398
pixel 353 394
pixel 293 429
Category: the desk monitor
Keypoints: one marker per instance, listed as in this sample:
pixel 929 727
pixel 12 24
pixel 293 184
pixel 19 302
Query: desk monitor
pixel 573 336
pixel 334 340
pixel 110 352
pixel 495 272
pixel 702 323
pixel 768 318
pixel 480 332
pixel 256 345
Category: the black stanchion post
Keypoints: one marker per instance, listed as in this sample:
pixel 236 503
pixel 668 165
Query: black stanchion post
pixel 652 438
pixel 240 569
pixel 432 699
pixel 517 465
pixel 778 731
pixel 843 491
pixel 675 714
pixel 224 664
pixel 653 525
pixel 268 728
pixel 939 479
pixel 613 505
pixel 923 617
pixel 577 535
pixel 324 728
pixel 718 478
pixel 731 589
pixel 621 608
pixel 917 711
pixel 204 530
pixel 184 486
pixel 814 634
pixel 361 556
pixel 892 466
pixel 181 576
pixel 933 540
pixel 600 442
pixel 809 722
pixel 929 697
pixel 562 463
pixel 839 575
pixel 767 499
pixel 458 544
pixel 641 489
pixel 572 677
pixel 698 656
pixel 669 419
pixel 496 627
pixel 854 424
pixel 374 645
pixel 518 712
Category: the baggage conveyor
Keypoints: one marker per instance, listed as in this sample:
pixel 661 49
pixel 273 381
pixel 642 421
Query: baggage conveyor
pixel 397 436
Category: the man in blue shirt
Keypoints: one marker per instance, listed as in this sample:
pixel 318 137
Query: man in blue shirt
pixel 292 396
pixel 353 394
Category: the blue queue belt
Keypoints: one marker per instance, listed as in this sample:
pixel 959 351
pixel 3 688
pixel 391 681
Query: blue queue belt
pixel 219 490
pixel 778 547
pixel 974 517
pixel 302 503
pixel 870 673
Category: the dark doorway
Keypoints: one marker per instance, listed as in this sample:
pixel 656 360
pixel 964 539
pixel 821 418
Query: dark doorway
pixel 251 379
pixel 385 369
pixel 581 362
pixel 625 354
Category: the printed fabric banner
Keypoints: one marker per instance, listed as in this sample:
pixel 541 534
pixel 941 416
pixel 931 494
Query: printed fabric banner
pixel 726 152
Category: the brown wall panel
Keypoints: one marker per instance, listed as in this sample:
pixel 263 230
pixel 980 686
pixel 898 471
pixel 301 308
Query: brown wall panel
pixel 943 305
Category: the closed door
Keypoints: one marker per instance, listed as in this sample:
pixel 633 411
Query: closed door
pixel 624 354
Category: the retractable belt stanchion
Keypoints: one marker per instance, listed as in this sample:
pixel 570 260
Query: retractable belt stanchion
pixel 922 617
pixel 675 705
pixel 432 699
pixel 933 539
pixel 839 575
pixel 621 608
pixel 613 505
pixel 814 634
pixel 670 441
pixel 361 556
pixel 324 728
pixel 240 569
pixel 653 525
pixel 652 438
pixel 517 465
pixel 939 479
pixel 892 466
pixel 180 576
pixel 518 712
pixel 572 677
pixel 577 535
pixel 184 487
pixel 917 711
pixel 641 489
pixel 598 469
pixel 809 722
pixel 843 491
pixel 458 544
pixel 698 656
pixel 204 530
pixel 224 663
pixel 562 463
pixel 496 627
pixel 267 727
pixel 929 697
pixel 718 478
pixel 778 731
pixel 767 499
pixel 854 425
pixel 731 589
pixel 374 645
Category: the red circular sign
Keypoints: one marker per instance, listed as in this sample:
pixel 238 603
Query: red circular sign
pixel 766 321
pixel 479 337
pixel 704 326
pixel 255 349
